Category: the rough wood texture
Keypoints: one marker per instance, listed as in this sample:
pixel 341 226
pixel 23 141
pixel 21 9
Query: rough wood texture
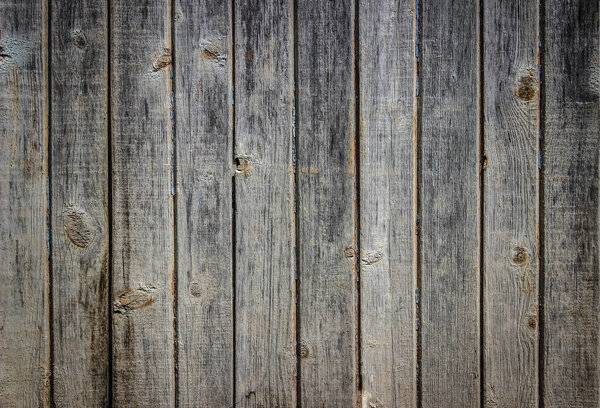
pixel 450 205
pixel 264 205
pixel 79 203
pixel 387 205
pixel 570 174
pixel 24 306
pixel 326 203
pixel 511 180
pixel 143 264
pixel 203 139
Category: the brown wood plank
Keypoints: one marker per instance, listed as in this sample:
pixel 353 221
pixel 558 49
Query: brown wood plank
pixel 264 205
pixel 203 91
pixel 570 202
pixel 143 262
pixel 387 202
pixel 327 243
pixel 24 287
pixel 449 196
pixel 80 203
pixel 511 181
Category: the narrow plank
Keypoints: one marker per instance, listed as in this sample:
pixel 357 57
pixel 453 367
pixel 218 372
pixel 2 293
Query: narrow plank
pixel 24 288
pixel 511 181
pixel 143 262
pixel 326 203
pixel 450 205
pixel 570 199
pixel 79 203
pixel 387 205
pixel 203 76
pixel 264 204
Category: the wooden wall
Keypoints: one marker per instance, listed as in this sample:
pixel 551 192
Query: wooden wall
pixel 299 203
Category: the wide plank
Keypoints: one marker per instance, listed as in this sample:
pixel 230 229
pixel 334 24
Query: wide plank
pixel 450 204
pixel 387 67
pixel 143 255
pixel 326 208
pixel 571 371
pixel 79 130
pixel 24 252
pixel 203 76
pixel 264 205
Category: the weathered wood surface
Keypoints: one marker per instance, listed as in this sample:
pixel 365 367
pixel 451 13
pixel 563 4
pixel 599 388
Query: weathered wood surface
pixel 387 64
pixel 264 205
pixel 570 205
pixel 24 254
pixel 299 203
pixel 203 91
pixel 79 129
pixel 143 256
pixel 510 195
pixel 450 205
pixel 327 241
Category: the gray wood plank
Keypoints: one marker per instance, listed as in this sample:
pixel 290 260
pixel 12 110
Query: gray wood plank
pixel 24 287
pixel 203 91
pixel 79 203
pixel 143 261
pixel 449 195
pixel 570 200
pixel 327 243
pixel 387 202
pixel 264 205
pixel 511 181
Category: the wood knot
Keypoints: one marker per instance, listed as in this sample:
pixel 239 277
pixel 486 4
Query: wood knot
pixel 349 252
pixel 78 39
pixel 532 323
pixel 77 226
pixel 304 351
pixel 373 257
pixel 162 61
pixel 132 300
pixel 211 52
pixel 520 256
pixel 526 91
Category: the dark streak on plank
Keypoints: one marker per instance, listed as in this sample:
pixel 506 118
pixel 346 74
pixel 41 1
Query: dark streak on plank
pixel 450 205
pixel 570 202
pixel 143 260
pixel 326 216
pixel 24 269
pixel 203 35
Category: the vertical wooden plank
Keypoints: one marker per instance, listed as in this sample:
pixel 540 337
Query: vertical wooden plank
pixel 264 205
pixel 142 203
pixel 387 204
pixel 326 203
pixel 450 205
pixel 24 306
pixel 204 154
pixel 511 181
pixel 79 202
pixel 570 192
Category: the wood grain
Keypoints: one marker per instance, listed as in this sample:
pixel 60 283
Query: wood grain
pixel 511 180
pixel 570 205
pixel 449 196
pixel 143 262
pixel 387 202
pixel 264 205
pixel 80 203
pixel 203 35
pixel 327 243
pixel 24 254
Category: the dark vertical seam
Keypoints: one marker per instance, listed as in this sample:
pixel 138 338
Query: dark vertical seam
pixel 541 206
pixel 233 212
pixel 50 272
pixel 109 204
pixel 297 343
pixel 357 257
pixel 481 203
pixel 175 280
pixel 418 163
